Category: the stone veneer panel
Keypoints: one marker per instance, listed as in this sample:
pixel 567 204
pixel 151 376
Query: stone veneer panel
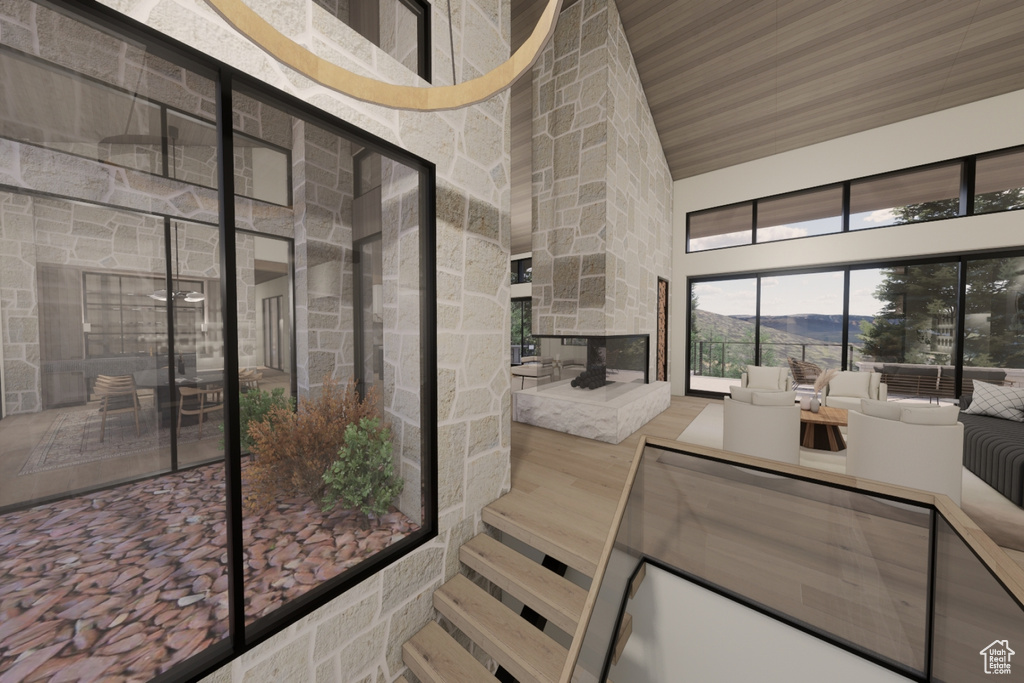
pixel 470 150
pixel 601 184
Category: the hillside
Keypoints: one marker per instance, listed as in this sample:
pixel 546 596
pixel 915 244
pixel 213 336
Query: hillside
pixel 826 328
pixel 712 326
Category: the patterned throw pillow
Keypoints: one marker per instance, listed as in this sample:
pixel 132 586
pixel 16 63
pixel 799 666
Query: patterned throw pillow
pixel 1004 402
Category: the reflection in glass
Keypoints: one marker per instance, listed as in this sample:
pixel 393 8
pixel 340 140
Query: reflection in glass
pixel 802 319
pixel 348 265
pixel 726 227
pixel 800 214
pixel 395 26
pixel 106 295
pixel 909 329
pixel 994 322
pixel 906 197
pixel 972 611
pixel 722 319
pixel 523 341
pixel 999 182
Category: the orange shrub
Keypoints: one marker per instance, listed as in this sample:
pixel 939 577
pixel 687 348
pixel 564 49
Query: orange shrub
pixel 292 449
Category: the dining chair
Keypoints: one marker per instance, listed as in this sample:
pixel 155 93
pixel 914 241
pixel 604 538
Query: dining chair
pixel 199 401
pixel 249 380
pixel 117 395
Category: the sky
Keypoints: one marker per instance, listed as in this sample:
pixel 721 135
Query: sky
pixel 793 294
pixel 820 226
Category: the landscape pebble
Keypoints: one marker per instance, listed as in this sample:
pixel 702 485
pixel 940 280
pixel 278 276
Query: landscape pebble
pixel 126 582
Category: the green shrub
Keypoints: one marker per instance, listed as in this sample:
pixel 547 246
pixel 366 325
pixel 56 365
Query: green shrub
pixel 363 476
pixel 253 407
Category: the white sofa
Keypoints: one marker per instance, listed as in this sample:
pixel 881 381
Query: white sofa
pixel 904 452
pixel 767 378
pixel 764 424
pixel 848 388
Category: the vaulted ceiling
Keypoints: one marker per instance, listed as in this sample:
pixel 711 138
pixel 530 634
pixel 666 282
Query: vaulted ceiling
pixel 730 81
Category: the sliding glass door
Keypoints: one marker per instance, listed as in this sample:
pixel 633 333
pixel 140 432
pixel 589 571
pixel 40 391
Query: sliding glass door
pixel 900 319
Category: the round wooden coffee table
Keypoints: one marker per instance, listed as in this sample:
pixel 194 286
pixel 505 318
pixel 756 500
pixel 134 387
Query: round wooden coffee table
pixel 820 430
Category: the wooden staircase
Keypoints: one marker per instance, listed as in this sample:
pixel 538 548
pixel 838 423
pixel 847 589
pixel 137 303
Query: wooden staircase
pixel 519 647
pixel 565 490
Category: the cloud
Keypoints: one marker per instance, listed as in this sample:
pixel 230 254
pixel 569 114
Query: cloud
pixel 716 241
pixel 780 232
pixel 879 216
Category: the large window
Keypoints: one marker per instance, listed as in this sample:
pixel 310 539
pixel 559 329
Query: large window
pixel 801 214
pixel 901 321
pixel 130 339
pixel 907 197
pixel 977 184
pixel 802 319
pixel 994 321
pixel 723 316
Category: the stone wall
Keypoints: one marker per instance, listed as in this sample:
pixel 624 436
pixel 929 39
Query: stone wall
pixel 601 184
pixel 358 637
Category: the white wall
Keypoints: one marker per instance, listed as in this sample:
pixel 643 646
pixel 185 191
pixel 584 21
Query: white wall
pixel 684 632
pixel 982 126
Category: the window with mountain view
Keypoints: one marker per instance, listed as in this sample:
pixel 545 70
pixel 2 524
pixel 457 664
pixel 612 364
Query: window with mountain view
pixel 802 319
pixel 722 322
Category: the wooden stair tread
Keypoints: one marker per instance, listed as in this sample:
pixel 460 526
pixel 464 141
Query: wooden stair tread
pixel 523 650
pixel 435 657
pixel 553 597
pixel 569 536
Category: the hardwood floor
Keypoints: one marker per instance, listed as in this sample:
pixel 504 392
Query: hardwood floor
pixel 584 477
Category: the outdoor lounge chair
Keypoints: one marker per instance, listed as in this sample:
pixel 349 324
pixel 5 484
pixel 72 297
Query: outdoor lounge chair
pixel 803 372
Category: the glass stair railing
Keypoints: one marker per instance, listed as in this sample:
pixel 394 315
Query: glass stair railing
pixel 900 577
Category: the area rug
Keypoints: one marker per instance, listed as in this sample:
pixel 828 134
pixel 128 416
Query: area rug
pixel 998 517
pixel 74 439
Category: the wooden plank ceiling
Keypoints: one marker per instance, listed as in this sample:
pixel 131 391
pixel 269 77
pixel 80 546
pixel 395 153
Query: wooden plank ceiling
pixel 730 81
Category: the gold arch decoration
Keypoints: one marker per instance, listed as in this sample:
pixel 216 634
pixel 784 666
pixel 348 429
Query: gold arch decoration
pixel 432 98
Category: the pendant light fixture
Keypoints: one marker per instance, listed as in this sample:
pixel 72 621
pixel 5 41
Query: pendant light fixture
pixel 191 297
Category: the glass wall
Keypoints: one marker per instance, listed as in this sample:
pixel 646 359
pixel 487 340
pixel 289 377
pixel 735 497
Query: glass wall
pixel 523 341
pixel 119 374
pixel 802 319
pixel 723 317
pixel 902 322
pixel 994 322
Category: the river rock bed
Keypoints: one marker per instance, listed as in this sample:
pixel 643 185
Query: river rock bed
pixel 126 582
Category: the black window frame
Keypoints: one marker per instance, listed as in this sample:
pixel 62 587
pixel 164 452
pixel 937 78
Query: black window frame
pixel 968 173
pixel 243 638
pixel 960 259
pixel 522 271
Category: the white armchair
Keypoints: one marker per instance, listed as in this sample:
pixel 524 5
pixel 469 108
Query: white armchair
pixel 907 453
pixel 767 378
pixel 768 426
pixel 848 388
